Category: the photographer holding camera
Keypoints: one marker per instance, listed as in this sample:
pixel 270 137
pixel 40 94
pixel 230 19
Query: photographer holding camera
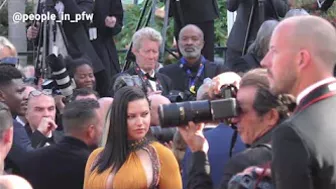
pixel 259 113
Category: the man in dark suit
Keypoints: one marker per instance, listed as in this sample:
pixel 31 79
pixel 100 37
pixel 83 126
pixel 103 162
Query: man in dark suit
pixel 188 74
pixel 237 35
pixel 303 146
pixel 40 115
pixel 63 165
pixel 146 45
pixel 108 19
pixel 198 12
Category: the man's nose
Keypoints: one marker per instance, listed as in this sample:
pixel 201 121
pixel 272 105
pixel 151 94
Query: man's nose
pixel 47 113
pixel 151 55
pixel 264 62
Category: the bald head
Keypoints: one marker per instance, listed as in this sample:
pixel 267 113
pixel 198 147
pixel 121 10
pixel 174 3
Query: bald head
pixel 191 28
pixel 13 182
pixel 312 33
pixel 156 100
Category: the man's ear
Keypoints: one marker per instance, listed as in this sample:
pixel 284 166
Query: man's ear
pixel 272 117
pixel 203 43
pixel 134 51
pixel 90 132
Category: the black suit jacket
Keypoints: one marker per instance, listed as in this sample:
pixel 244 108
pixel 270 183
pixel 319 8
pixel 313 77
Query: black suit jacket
pixel 21 145
pixel 58 166
pixel 243 8
pixel 165 81
pixel 195 11
pixel 304 154
pixel 38 140
pixel 104 44
pixel 180 78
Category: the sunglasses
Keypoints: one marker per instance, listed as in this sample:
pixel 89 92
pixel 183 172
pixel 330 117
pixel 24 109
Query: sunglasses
pixel 47 92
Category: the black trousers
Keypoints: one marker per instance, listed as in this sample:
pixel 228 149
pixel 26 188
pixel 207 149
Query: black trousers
pixel 231 57
pixel 208 29
pixel 102 83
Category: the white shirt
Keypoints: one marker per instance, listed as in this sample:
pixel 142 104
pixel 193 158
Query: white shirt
pixel 152 83
pixel 18 119
pixel 307 90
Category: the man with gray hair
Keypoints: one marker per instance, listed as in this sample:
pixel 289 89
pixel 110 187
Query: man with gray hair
pixel 62 165
pixel 189 72
pixel 8 53
pixel 257 49
pixel 146 48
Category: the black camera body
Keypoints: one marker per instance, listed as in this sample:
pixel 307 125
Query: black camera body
pixel 179 96
pixel 250 181
pixel 179 114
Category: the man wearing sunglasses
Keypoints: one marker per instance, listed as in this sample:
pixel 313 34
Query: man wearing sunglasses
pixel 40 115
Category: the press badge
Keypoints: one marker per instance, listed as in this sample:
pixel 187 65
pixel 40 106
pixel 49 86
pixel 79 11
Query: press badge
pixel 93 33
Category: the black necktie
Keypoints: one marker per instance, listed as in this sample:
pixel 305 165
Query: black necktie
pixel 150 78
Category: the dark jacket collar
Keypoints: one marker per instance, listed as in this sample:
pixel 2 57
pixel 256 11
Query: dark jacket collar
pixel 69 140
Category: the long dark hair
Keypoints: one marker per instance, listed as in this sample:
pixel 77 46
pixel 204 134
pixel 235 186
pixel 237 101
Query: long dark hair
pixel 116 149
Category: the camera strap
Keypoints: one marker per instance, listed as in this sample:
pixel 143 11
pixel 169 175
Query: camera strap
pixel 320 93
pixel 192 80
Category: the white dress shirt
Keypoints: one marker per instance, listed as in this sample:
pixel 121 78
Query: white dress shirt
pixel 152 83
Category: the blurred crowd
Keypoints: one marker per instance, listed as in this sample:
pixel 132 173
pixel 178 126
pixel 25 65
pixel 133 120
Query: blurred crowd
pixel 174 126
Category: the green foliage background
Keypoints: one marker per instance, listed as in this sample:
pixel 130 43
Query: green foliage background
pixel 132 14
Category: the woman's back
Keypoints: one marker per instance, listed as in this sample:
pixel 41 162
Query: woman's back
pixel 149 166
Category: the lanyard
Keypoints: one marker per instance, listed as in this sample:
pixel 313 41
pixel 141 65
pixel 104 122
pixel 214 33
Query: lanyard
pixel 320 93
pixel 192 81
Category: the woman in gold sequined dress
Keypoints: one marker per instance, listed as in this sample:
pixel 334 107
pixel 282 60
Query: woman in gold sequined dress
pixel 129 159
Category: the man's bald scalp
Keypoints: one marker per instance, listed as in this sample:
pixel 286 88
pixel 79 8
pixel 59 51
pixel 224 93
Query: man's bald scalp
pixel 192 26
pixel 317 35
pixel 157 100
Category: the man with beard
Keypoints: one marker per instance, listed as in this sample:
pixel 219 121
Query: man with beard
pixel 188 74
pixel 62 165
pixel 301 62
